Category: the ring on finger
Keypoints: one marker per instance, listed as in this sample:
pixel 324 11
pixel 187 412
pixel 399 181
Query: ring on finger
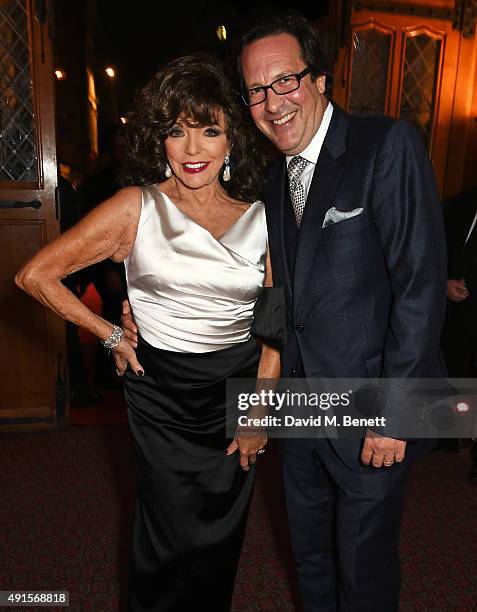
pixel 118 372
pixel 388 462
pixel 261 451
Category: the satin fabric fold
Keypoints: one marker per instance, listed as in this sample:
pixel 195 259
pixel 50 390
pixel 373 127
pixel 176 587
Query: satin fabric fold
pixel 189 291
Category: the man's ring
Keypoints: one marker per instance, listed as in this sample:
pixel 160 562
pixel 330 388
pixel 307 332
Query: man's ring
pixel 261 451
pixel 118 372
pixel 388 463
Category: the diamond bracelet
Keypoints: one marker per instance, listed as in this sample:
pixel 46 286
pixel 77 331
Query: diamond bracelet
pixel 114 339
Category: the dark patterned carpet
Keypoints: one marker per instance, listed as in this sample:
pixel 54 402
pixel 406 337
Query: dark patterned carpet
pixel 66 504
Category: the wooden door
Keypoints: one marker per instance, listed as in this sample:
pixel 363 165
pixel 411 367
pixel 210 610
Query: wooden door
pixel 32 341
pixel 403 66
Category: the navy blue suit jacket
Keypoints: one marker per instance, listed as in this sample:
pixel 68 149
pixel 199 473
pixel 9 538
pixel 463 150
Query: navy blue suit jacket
pixel 366 296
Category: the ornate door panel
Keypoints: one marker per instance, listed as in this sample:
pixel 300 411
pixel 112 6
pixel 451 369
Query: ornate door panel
pixel 32 356
pixel 403 66
pixel 370 72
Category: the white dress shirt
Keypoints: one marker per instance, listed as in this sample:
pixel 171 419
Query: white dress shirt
pixel 313 150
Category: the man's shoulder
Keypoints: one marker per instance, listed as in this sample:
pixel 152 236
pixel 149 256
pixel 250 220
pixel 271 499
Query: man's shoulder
pixel 382 134
pixel 371 124
pixel 379 126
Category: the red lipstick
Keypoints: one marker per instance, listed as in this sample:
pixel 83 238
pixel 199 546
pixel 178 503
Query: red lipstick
pixel 195 167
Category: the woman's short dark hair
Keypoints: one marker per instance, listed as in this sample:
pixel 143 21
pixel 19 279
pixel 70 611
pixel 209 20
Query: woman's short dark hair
pixel 198 88
pixel 305 34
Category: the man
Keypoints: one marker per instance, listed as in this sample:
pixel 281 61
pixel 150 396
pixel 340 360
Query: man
pixel 356 238
pixel 459 337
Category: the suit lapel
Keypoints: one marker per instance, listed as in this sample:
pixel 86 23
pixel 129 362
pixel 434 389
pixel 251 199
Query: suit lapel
pixel 327 173
pixel 276 196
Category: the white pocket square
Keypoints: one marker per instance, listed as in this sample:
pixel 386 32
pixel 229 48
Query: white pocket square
pixel 335 216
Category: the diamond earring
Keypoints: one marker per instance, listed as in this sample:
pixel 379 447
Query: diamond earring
pixel 168 171
pixel 226 174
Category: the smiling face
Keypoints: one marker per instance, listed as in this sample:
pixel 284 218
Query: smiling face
pixel 291 120
pixel 196 153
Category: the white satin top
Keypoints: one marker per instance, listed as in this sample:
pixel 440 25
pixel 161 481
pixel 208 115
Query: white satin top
pixel 190 292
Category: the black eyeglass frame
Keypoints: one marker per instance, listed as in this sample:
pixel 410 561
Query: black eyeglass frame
pixel 298 75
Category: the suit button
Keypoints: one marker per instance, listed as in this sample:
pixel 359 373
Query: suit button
pixel 299 328
pixel 293 372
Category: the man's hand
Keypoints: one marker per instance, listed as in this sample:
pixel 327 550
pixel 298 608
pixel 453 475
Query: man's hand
pixel 248 441
pixel 456 290
pixel 128 325
pixel 380 451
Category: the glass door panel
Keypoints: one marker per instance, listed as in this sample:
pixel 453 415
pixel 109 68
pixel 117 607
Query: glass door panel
pixel 422 60
pixel 370 60
pixel 18 151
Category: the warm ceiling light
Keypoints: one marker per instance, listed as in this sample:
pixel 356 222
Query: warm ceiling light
pixel 123 120
pixel 221 33
pixel 60 74
pixel 110 72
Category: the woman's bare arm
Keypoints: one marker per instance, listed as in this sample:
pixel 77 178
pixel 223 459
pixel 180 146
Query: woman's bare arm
pixel 108 231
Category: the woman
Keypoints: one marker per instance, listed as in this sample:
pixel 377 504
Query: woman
pixel 193 240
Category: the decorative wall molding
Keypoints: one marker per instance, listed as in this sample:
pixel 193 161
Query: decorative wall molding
pixel 463 15
pixel 406 9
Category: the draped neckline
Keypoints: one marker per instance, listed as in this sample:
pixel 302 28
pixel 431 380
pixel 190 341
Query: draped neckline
pixel 222 236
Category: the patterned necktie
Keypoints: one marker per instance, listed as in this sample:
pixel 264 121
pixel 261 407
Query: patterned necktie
pixel 297 192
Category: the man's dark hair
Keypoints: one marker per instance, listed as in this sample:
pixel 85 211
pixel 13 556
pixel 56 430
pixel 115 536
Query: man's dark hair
pixel 302 30
pixel 198 88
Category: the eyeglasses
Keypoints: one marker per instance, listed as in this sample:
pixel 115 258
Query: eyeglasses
pixel 283 85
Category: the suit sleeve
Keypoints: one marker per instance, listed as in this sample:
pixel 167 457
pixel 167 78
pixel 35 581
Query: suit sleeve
pixel 408 217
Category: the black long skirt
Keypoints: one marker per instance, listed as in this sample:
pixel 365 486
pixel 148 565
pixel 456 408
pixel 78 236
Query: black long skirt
pixel 193 499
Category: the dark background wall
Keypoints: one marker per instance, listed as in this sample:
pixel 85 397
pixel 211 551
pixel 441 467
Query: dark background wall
pixel 135 40
pixel 152 32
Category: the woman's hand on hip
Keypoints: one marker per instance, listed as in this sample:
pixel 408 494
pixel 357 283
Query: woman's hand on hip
pixel 124 354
